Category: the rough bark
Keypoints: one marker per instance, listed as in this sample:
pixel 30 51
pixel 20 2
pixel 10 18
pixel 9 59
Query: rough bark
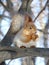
pixel 11 53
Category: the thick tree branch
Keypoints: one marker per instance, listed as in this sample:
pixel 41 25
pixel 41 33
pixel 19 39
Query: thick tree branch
pixel 25 6
pixel 7 40
pixel 9 4
pixel 17 52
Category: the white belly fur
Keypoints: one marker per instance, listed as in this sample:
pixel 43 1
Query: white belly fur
pixel 19 43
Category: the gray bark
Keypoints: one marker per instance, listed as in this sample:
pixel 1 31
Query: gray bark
pixel 11 53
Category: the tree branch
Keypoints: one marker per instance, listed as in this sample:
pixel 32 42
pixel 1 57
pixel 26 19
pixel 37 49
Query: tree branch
pixel 9 4
pixel 4 5
pixel 45 32
pixel 27 4
pixel 24 7
pixel 1 16
pixel 8 8
pixel 17 52
pixel 41 11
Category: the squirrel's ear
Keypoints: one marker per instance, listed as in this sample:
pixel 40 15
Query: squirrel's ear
pixel 28 18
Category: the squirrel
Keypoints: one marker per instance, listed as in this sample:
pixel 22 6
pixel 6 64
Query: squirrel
pixel 29 30
pixel 27 36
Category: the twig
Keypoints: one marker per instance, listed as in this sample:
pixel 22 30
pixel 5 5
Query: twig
pixel 1 16
pixel 45 32
pixel 4 5
pixel 41 11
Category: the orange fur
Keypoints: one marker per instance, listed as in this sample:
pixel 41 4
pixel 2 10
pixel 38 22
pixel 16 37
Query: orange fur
pixel 29 30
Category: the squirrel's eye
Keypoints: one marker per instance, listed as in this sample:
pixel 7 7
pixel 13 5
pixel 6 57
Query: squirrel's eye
pixel 30 28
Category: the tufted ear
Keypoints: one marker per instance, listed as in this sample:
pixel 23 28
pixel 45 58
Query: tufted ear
pixel 28 18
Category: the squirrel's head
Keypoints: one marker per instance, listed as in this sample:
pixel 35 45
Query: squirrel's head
pixel 29 30
pixel 29 25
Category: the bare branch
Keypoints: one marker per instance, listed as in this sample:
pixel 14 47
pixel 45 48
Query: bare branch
pixel 41 11
pixel 9 9
pixel 1 16
pixel 25 6
pixel 9 4
pixel 17 52
pixel 4 5
pixel 45 32
pixel 7 40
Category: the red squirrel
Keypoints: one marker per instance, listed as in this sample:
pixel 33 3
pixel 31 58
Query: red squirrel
pixel 27 36
pixel 29 30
